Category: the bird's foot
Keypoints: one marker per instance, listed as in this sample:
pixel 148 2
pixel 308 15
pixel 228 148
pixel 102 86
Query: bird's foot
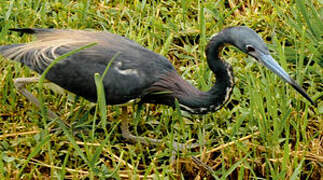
pixel 150 141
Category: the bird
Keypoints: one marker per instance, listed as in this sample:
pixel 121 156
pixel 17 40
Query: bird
pixel 137 72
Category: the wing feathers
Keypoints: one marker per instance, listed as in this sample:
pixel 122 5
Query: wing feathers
pixel 39 54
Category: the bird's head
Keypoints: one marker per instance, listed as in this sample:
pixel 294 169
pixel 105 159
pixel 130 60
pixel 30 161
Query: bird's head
pixel 249 42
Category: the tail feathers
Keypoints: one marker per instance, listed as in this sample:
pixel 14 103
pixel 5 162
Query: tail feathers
pixel 7 51
pixel 31 30
pixel 4 48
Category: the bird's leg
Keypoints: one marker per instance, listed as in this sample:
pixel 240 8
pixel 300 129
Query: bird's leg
pixel 20 84
pixel 145 140
pixel 127 134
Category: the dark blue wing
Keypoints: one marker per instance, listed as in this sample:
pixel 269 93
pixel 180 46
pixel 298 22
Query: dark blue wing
pixel 133 71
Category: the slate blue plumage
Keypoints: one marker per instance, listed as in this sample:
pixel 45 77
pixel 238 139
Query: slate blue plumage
pixel 137 72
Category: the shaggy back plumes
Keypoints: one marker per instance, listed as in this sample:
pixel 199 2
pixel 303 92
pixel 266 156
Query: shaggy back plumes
pixel 42 52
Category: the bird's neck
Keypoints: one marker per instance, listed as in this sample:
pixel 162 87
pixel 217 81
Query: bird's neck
pixel 171 86
pixel 223 71
pixel 219 94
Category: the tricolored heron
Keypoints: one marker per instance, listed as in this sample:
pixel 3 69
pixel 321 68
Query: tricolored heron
pixel 137 72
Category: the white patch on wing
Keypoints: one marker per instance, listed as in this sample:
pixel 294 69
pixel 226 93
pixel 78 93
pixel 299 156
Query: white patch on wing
pixel 203 109
pixel 126 72
pixel 213 35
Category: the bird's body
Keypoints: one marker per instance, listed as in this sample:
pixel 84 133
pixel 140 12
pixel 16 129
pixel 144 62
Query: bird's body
pixel 136 72
pixel 132 72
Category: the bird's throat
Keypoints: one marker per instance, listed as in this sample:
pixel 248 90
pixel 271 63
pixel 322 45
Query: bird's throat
pixel 172 87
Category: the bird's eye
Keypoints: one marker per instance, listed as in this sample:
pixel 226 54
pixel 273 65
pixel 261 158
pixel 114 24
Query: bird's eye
pixel 250 48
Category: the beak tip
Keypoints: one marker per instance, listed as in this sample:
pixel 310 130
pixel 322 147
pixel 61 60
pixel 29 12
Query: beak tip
pixel 272 65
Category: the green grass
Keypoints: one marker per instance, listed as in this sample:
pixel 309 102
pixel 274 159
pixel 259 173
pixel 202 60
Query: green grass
pixel 280 132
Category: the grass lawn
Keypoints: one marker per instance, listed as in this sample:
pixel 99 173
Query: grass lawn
pixel 266 131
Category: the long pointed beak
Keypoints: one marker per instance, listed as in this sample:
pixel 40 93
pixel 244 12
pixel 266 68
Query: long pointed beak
pixel 271 64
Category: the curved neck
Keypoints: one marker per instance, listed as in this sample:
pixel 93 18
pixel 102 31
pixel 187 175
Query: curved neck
pixel 219 94
pixel 191 99
pixel 222 89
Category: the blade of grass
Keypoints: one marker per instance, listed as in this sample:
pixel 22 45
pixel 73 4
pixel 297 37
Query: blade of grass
pixel 302 8
pixel 43 108
pixel 165 49
pixel 101 93
pixel 62 173
pixel 2 172
pixel 8 13
pixel 202 45
pixel 102 109
pixel 297 171
pixel 43 75
pixel 34 153
pixel 233 167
